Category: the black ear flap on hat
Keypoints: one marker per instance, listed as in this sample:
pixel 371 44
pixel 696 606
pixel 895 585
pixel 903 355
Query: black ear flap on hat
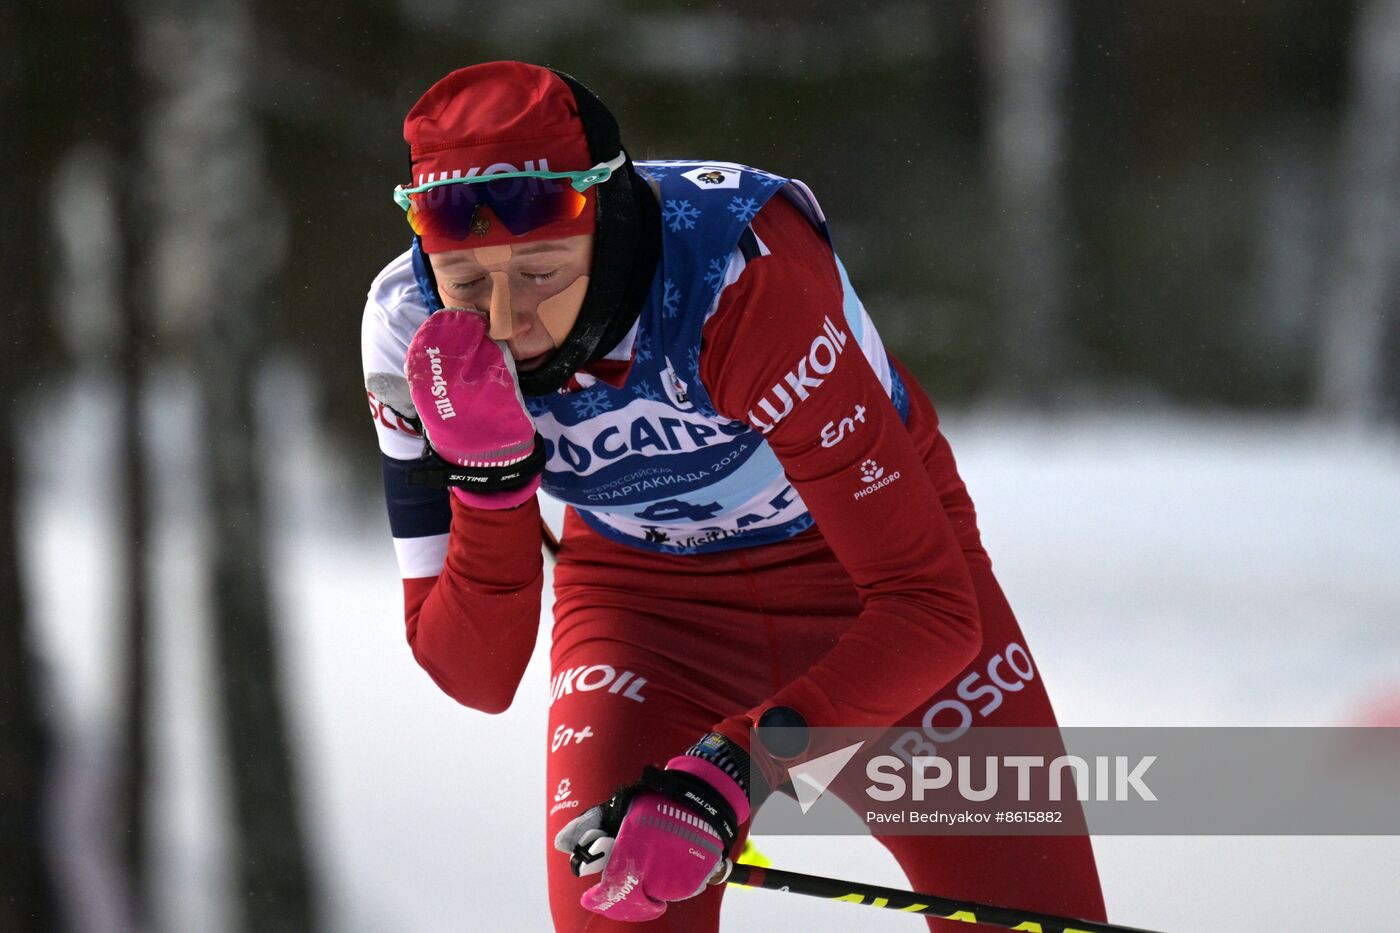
pixel 626 248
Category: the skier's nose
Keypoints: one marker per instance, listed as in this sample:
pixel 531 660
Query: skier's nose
pixel 503 323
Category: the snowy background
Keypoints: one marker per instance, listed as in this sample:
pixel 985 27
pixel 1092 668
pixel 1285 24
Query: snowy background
pixel 1167 569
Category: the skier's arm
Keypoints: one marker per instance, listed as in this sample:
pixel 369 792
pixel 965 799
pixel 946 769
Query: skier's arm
pixel 471 577
pixel 473 626
pixel 919 624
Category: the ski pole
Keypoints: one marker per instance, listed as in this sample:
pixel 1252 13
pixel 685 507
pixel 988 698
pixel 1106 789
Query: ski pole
pixel 550 541
pixel 928 905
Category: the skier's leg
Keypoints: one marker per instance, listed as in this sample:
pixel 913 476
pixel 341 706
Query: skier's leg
pixel 1054 874
pixel 617 706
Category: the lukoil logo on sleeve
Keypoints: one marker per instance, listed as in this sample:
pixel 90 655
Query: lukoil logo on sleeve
pixel 821 357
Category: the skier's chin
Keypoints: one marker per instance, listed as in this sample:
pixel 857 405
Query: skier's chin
pixel 527 363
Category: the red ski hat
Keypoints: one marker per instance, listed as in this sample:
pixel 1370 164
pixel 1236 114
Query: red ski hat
pixel 499 117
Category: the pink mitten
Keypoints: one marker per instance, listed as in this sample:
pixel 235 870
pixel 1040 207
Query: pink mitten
pixel 463 385
pixel 660 847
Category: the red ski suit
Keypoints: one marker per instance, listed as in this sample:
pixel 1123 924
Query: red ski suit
pixel 868 619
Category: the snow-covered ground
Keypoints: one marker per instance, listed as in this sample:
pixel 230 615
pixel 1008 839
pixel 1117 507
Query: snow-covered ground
pixel 1167 569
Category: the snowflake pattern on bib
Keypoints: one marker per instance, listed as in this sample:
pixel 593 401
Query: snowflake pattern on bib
pixel 680 215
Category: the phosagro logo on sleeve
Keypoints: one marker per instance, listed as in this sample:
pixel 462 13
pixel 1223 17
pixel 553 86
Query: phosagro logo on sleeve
pixel 874 476
pixel 563 797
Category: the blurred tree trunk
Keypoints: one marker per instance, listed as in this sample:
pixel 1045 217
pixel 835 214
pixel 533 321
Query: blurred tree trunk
pixel 1288 274
pixel 218 252
pixel 26 888
pixel 27 901
pixel 1362 291
pixel 1025 52
pixel 120 114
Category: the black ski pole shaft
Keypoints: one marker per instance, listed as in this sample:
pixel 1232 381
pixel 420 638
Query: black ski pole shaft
pixel 913 903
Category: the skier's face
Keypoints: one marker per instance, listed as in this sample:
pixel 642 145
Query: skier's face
pixel 532 292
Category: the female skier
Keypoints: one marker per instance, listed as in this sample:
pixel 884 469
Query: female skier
pixel 764 523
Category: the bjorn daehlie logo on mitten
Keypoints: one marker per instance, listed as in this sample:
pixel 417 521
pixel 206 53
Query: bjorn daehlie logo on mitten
pixel 439 390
